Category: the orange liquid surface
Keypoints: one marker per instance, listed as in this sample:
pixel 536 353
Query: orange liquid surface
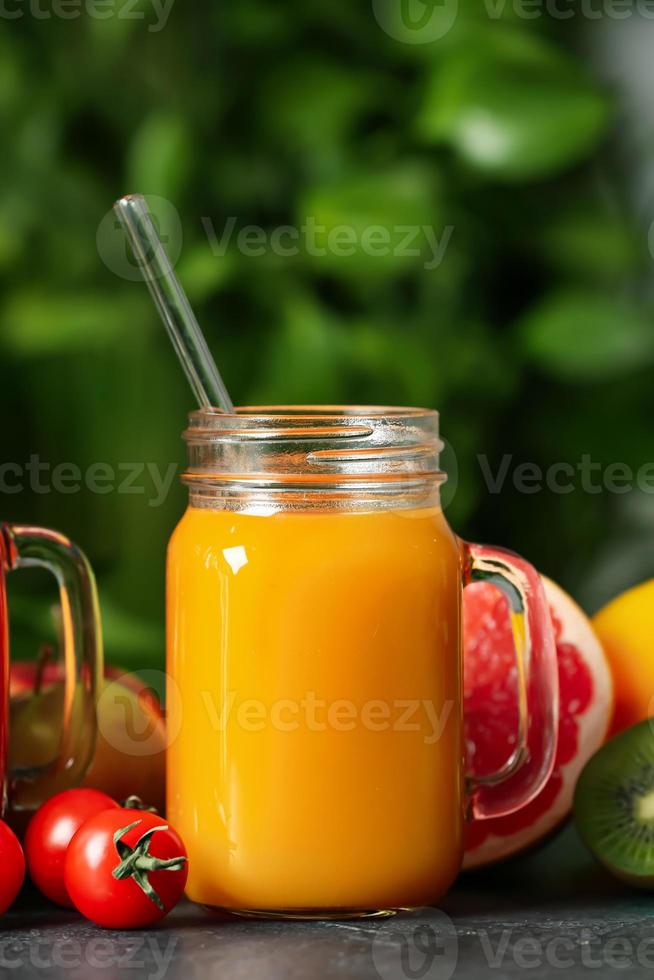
pixel 315 708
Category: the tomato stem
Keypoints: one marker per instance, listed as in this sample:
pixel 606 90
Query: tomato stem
pixel 136 862
pixel 136 803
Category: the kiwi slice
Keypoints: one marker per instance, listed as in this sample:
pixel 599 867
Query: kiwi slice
pixel 614 805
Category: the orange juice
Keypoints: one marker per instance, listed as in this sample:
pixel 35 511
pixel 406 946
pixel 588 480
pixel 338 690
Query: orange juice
pixel 314 664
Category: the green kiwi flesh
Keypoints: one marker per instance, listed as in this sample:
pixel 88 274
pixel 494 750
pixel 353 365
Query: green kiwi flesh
pixel 614 805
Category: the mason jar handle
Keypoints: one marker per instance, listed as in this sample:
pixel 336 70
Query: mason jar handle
pixel 35 547
pixel 530 765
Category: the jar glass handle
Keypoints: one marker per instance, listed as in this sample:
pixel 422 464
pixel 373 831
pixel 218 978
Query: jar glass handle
pixel 530 764
pixel 29 547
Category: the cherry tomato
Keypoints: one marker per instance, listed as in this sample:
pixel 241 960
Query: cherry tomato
pixel 12 862
pixel 125 869
pixel 49 833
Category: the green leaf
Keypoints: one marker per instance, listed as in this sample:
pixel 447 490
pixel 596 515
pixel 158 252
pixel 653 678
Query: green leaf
pixel 159 156
pixel 35 324
pixel 577 336
pixel 13 76
pixel 127 17
pixel 513 119
pixel 254 23
pixel 130 640
pixel 361 222
pixel 311 104
pixel 591 243
pixel 304 361
pixel 203 273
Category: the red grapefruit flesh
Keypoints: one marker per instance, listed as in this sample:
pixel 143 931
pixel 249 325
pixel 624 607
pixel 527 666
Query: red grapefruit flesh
pixel 585 706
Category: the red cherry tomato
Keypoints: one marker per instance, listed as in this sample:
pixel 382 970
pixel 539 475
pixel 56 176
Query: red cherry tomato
pixel 50 831
pixel 125 869
pixel 12 863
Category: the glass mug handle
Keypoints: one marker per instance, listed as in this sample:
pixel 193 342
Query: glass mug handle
pixel 530 764
pixel 30 547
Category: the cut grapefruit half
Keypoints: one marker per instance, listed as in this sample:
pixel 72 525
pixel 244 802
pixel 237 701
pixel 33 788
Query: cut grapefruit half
pixel 491 713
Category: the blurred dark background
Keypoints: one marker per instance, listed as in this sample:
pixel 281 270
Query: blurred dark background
pixel 524 141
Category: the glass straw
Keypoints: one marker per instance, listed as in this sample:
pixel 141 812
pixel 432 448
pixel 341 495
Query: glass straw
pixel 172 303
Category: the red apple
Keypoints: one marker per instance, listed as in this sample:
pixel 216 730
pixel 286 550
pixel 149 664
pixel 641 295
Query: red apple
pixel 129 756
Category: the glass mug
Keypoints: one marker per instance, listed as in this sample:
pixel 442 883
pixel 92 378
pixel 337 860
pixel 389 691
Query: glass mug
pixel 316 760
pixel 24 547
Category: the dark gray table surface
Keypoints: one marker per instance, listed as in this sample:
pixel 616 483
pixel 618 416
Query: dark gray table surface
pixel 552 913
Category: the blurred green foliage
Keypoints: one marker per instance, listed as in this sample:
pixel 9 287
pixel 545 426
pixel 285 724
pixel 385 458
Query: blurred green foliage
pixel 532 336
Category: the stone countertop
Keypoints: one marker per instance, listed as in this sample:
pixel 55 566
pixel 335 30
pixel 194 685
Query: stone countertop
pixel 546 915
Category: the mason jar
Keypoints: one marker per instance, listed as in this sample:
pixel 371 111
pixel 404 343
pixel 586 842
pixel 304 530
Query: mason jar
pixel 315 665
